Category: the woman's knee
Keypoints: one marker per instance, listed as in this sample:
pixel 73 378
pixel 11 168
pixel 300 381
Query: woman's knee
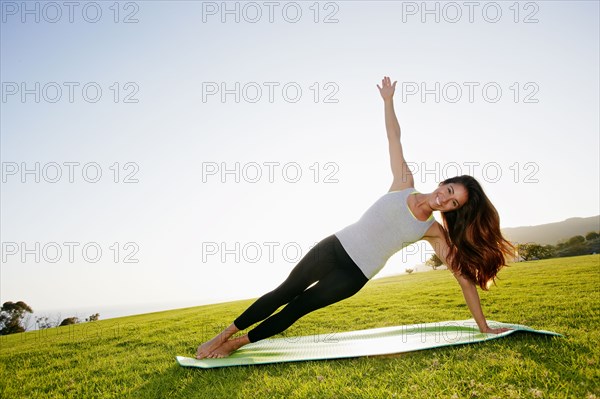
pixel 319 296
pixel 285 293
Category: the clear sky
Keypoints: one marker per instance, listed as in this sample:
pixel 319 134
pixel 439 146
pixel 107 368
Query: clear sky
pixel 190 152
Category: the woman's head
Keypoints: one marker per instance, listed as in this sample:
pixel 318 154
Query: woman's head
pixel 449 196
pixel 477 248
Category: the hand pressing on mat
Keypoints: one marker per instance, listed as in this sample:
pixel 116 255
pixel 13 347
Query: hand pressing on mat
pixel 488 330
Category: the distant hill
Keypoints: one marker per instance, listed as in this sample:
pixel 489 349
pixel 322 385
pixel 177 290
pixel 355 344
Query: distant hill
pixel 552 233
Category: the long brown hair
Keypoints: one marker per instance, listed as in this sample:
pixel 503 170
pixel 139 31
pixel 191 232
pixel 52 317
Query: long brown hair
pixel 477 247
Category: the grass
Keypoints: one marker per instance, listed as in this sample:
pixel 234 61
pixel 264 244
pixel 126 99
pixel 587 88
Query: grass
pixel 135 356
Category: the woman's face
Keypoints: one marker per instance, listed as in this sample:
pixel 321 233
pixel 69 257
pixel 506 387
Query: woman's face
pixel 449 197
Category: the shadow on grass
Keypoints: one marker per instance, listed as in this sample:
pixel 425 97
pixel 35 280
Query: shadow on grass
pixel 179 382
pixel 562 356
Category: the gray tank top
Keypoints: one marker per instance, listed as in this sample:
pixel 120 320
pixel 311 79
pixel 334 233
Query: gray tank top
pixel 384 229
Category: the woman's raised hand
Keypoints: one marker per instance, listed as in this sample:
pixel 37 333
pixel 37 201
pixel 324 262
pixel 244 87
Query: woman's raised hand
pixel 387 88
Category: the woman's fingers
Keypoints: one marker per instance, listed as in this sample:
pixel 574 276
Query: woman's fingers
pixel 386 81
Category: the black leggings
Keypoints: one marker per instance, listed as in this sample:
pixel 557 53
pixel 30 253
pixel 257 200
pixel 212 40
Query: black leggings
pixel 338 278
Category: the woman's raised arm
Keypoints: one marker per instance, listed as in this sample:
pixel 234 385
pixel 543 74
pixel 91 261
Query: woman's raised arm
pixel 403 177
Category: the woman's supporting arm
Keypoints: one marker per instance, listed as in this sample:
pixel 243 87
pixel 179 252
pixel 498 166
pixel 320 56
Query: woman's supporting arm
pixel 469 289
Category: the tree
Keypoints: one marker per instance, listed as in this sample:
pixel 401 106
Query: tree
pixel 11 315
pixel 434 262
pixel 68 321
pixel 547 251
pixel 43 322
pixel 561 245
pixel 576 240
pixel 93 317
pixel 592 235
pixel 533 251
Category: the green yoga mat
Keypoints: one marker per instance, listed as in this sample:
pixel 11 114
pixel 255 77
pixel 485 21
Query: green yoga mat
pixel 371 342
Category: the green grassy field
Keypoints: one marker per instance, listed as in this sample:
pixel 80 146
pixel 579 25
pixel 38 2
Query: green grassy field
pixel 135 356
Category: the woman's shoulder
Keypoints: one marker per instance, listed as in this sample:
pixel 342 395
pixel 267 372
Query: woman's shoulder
pixel 401 190
pixel 435 232
pixel 401 186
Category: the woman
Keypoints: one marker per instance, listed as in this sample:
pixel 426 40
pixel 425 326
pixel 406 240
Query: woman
pixel 470 243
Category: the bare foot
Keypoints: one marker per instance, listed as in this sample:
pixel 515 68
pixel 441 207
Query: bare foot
pixel 206 348
pixel 227 347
